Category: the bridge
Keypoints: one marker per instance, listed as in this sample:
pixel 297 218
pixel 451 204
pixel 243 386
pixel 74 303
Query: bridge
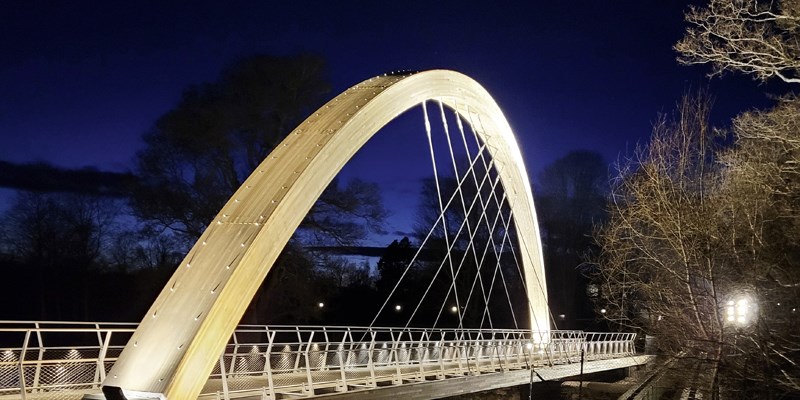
pixel 60 360
pixel 188 345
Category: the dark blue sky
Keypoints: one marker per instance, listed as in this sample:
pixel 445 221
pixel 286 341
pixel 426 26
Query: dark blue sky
pixel 81 81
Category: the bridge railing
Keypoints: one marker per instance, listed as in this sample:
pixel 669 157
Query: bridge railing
pixel 57 360
pixel 300 361
pixel 64 360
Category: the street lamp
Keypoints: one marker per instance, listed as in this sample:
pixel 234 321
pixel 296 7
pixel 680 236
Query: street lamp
pixel 398 308
pixel 740 311
pixel 321 304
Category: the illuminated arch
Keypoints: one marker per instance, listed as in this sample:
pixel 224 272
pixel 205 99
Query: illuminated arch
pixel 184 332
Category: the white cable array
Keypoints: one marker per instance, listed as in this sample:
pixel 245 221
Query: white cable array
pixel 422 245
pixel 499 207
pixel 516 260
pixel 450 247
pixel 490 241
pixel 448 255
pixel 494 225
pixel 472 234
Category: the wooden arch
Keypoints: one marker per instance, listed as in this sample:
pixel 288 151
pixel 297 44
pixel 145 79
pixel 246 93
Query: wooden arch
pixel 180 339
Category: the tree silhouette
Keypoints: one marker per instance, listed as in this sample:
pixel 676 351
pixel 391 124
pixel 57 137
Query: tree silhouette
pixel 570 201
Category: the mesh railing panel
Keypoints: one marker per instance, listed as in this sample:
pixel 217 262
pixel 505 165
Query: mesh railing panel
pixel 62 361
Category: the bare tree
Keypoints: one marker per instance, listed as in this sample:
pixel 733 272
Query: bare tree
pixel 658 266
pixel 698 232
pixel 759 38
pixel 61 238
pixel 761 183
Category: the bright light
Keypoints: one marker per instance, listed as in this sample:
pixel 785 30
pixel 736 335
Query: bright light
pixel 602 311
pixel 320 304
pixel 453 309
pixel 739 311
pixel 529 345
pixel 398 307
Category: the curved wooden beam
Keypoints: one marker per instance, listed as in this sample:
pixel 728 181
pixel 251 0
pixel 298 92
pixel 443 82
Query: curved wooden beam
pixel 180 339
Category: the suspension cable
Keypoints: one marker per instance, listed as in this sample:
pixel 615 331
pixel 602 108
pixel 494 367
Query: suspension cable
pixel 450 248
pixel 448 256
pixel 427 237
pixel 479 265
pixel 493 197
pixel 470 232
pixel 536 275
pixel 419 249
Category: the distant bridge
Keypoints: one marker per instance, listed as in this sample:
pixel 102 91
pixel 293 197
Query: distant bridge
pixel 486 229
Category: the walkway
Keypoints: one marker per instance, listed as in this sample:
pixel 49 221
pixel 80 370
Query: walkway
pixel 68 361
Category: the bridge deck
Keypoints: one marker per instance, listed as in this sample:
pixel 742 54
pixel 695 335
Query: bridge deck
pixel 418 385
pixel 291 362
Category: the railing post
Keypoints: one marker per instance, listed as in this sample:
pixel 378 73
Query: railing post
pixel 38 370
pixel 370 353
pixel 441 354
pixel 462 351
pixel 505 347
pixel 395 343
pixel 580 379
pixel 101 359
pixel 268 361
pixel 308 364
pixel 22 384
pixel 422 353
pixel 324 358
pixel 492 343
pixel 299 349
pixel 499 350
pixel 223 375
pixel 340 354
pixel 235 354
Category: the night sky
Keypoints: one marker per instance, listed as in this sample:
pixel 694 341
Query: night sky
pixel 81 81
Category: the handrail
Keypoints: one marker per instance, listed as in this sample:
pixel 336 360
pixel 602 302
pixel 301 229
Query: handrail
pixel 72 358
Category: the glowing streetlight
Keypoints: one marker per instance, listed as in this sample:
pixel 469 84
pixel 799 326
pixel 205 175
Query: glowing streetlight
pixel 321 304
pixel 739 311
pixel 602 311
pixel 453 309
pixel 398 308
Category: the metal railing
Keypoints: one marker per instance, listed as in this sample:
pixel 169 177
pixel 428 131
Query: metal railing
pixel 57 360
